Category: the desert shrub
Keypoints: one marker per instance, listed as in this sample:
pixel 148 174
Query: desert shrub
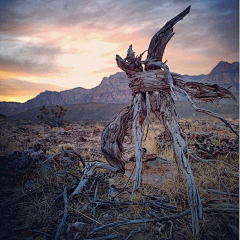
pixel 54 117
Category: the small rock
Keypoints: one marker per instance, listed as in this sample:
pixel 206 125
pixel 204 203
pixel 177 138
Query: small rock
pixel 78 226
pixel 68 128
pixel 106 216
pixel 29 185
pixel 61 131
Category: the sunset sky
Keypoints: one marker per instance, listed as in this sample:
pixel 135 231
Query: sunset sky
pixel 64 44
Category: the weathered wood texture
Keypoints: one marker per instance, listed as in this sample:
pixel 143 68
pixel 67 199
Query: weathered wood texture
pixel 161 38
pixel 88 172
pixel 154 89
pixel 112 138
pixel 138 140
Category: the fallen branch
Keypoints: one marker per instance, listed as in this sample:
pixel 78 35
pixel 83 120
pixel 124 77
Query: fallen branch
pixel 64 152
pixel 60 226
pixel 112 236
pixel 133 232
pixel 155 203
pixel 222 193
pixel 171 229
pixel 164 218
pixel 68 173
pixel 121 223
pixel 221 210
pixel 163 205
pixel 94 200
pixel 88 172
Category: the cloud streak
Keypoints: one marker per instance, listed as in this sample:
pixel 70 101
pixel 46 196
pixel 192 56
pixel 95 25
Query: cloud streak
pixel 27 58
pixel 19 90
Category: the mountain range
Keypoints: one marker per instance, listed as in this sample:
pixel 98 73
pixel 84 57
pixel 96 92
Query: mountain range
pixel 114 89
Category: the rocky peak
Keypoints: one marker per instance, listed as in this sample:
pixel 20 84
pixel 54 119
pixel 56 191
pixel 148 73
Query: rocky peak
pixel 44 98
pixel 225 74
pixel 225 67
pixel 113 89
pixel 118 79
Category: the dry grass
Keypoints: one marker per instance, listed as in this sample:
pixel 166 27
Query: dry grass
pixel 33 209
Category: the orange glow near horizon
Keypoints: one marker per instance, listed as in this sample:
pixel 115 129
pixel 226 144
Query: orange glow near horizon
pixel 18 99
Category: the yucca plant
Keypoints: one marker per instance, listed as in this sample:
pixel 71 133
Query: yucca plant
pixel 53 118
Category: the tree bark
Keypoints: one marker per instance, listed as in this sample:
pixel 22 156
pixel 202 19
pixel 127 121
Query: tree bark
pixel 138 142
pixel 112 138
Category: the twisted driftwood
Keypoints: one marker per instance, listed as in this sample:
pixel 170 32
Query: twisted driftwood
pixel 154 89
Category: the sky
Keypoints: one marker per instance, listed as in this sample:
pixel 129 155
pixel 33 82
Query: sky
pixel 63 44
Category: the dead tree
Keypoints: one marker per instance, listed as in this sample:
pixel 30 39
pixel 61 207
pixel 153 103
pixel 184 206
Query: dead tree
pixel 154 90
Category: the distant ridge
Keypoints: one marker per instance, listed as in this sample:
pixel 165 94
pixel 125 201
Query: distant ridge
pixel 94 112
pixel 114 89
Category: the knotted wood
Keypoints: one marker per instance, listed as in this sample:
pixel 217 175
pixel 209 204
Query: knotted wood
pixel 112 138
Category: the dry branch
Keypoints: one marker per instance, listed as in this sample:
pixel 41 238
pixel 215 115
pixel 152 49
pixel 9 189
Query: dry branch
pixel 210 113
pixel 62 154
pixel 121 223
pixel 134 232
pixel 222 193
pixel 60 226
pixel 161 38
pixel 88 172
pixel 112 236
pixel 164 218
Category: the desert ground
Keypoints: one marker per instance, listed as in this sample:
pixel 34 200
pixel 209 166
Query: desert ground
pixel 40 165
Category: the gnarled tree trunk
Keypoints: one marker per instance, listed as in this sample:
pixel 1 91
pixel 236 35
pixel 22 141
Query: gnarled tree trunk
pixel 154 89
